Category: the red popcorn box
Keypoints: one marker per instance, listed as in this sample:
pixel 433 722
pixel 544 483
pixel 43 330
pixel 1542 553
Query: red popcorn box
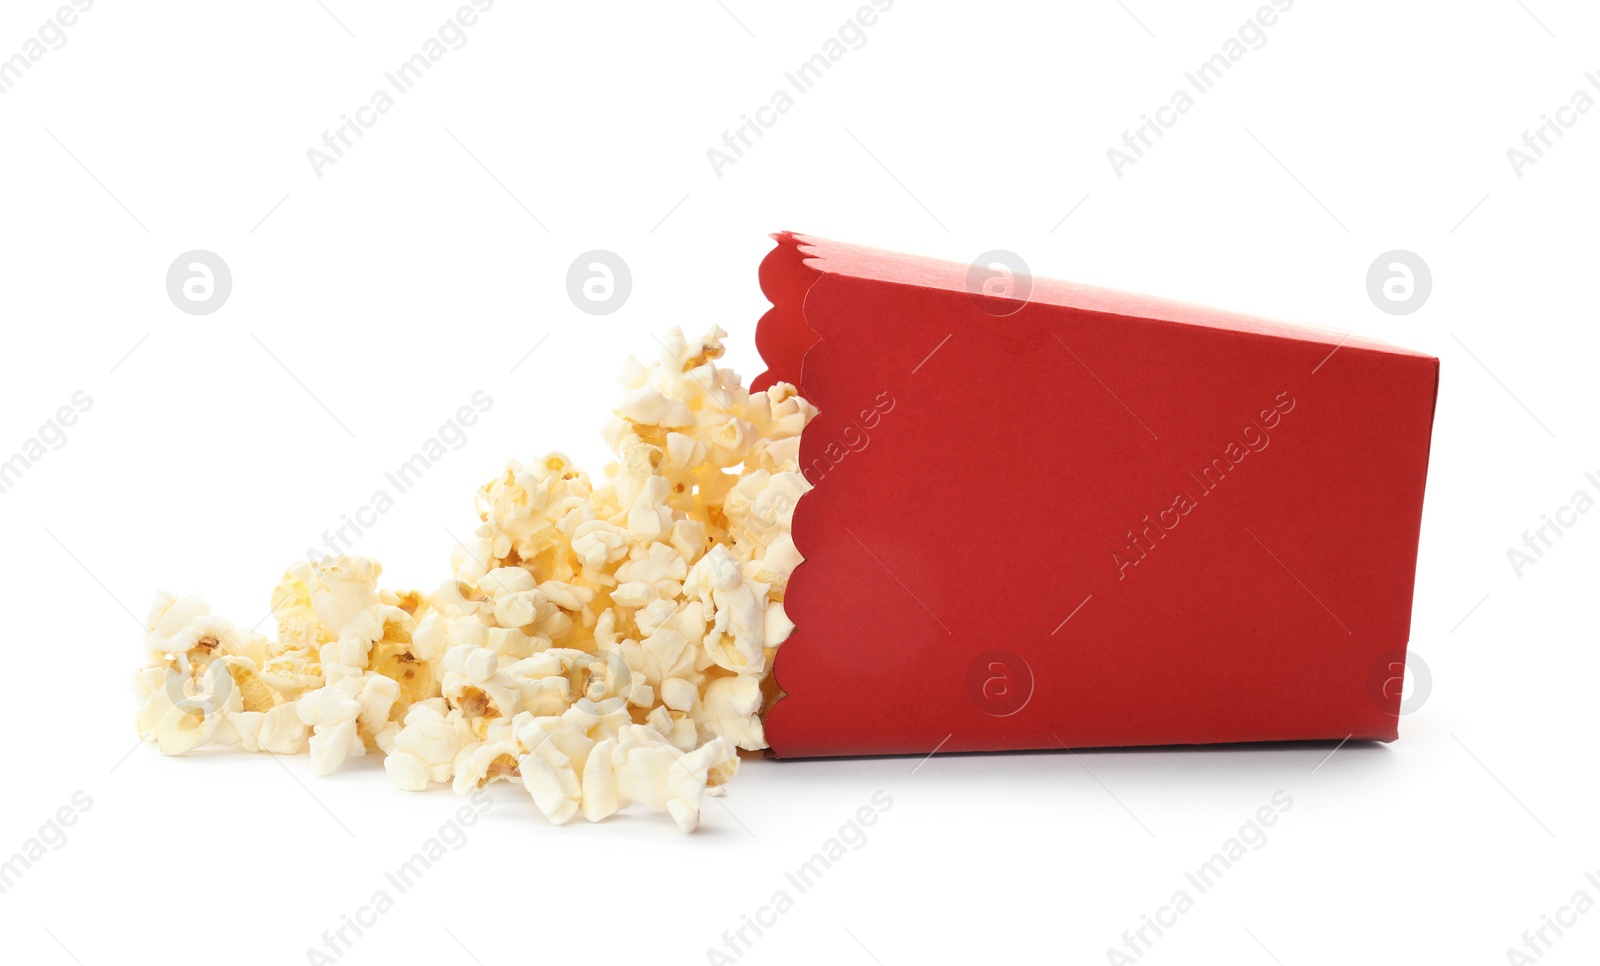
pixel 1047 515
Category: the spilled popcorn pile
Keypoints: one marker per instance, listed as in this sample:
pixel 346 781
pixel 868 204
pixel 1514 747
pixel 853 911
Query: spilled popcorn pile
pixel 602 644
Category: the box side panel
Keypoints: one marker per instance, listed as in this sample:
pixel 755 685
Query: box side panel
pixel 857 261
pixel 782 336
pixel 1065 528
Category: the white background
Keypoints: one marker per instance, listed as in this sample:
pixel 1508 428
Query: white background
pixel 368 304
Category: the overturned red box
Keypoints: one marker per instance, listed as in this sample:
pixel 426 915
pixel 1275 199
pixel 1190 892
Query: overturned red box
pixel 1047 515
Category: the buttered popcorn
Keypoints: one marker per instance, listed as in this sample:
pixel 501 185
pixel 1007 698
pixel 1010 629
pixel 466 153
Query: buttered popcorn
pixel 601 643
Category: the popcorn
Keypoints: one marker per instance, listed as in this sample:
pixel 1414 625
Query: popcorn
pixel 738 618
pixel 335 591
pixel 345 716
pixel 603 641
pixel 171 626
pixel 279 730
pixel 656 775
pixel 730 708
pixel 425 749
pixel 474 683
pixel 187 708
pixel 484 762
pixel 551 769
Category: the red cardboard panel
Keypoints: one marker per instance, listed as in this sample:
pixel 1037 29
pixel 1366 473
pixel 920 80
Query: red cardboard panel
pixel 1085 518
